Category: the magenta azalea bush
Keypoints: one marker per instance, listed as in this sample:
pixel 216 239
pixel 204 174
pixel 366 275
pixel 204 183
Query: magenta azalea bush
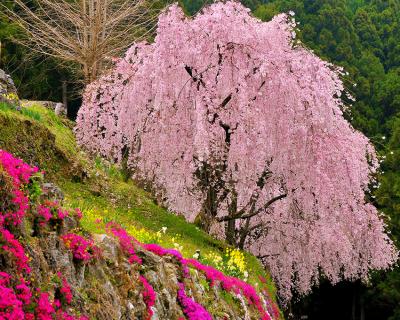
pixel 191 309
pixel 19 300
pixel 82 249
pixel 149 296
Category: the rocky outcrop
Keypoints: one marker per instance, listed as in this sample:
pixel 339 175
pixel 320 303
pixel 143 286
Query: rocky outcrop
pixel 6 84
pixel 8 91
pixel 110 288
pixel 9 94
pixel 64 270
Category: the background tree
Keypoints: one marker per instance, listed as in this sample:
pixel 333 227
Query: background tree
pixel 261 152
pixel 87 33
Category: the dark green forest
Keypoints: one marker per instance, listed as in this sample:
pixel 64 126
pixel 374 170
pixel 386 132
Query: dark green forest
pixel 363 36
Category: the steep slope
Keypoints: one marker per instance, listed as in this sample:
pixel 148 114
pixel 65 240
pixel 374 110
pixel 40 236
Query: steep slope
pixel 110 287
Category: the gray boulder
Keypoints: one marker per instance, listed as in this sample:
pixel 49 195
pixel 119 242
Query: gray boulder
pixel 6 84
pixel 8 92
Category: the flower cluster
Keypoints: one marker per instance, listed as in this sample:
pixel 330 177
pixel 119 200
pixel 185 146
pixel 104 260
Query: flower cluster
pixel 17 301
pixel 12 246
pixel 65 289
pixel 232 262
pixel 11 306
pixel 19 172
pixel 10 97
pixel 78 213
pixel 51 212
pixel 82 249
pixel 47 310
pixel 191 309
pixel 231 284
pixel 125 240
pixel 149 296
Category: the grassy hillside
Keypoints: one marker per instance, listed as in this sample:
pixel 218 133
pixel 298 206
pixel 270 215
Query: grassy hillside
pixel 99 189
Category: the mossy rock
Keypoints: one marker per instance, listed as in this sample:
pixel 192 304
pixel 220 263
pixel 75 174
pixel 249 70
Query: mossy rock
pixel 31 142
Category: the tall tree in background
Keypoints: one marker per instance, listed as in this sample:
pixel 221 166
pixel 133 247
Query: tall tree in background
pixel 86 33
pixel 233 125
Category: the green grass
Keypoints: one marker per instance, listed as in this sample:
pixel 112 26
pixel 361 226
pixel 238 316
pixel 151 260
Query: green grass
pixel 133 208
pixel 37 135
pixel 7 108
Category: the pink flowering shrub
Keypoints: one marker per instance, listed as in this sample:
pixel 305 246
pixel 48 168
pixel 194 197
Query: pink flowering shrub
pixel 78 214
pixel 19 172
pixel 125 240
pixel 82 249
pixel 12 246
pixel 24 292
pixel 231 284
pixel 18 299
pixel 50 212
pixel 11 306
pixel 149 296
pixel 44 309
pixel 65 289
pixel 191 309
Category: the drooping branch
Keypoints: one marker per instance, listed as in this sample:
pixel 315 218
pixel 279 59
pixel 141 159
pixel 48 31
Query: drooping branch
pixel 271 81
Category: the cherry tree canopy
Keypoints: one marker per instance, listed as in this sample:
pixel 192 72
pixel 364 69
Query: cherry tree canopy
pixel 232 124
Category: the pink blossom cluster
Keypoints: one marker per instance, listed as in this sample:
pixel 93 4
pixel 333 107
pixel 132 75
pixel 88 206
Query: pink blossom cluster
pixel 82 249
pixel 231 284
pixel 51 211
pixel 17 299
pixel 11 306
pixel 149 296
pixel 48 310
pixel 160 251
pixel 65 289
pixel 20 173
pixel 78 213
pixel 125 240
pixel 15 249
pixel 191 309
pixel 270 305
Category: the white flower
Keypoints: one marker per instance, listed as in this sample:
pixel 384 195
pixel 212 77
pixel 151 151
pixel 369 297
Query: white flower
pixel 383 138
pixel 164 229
pixel 196 255
pixel 291 12
pixel 391 152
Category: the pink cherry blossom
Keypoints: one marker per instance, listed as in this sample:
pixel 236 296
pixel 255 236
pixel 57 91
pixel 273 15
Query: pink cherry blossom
pixel 226 120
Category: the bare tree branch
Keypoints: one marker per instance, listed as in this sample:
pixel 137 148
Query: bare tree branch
pixel 86 32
